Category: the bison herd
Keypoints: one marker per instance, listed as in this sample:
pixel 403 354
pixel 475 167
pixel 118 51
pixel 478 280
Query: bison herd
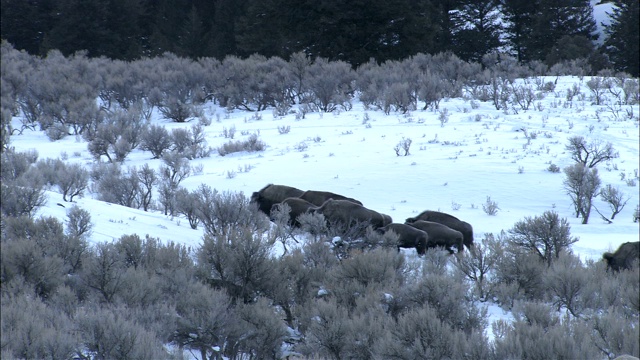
pixel 430 229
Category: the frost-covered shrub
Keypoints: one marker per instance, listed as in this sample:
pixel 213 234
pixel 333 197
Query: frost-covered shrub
pixel 518 273
pixel 418 333
pixel 254 83
pixel 251 144
pixel 538 333
pixel 175 168
pixel 118 187
pixel 110 333
pixel 176 110
pixel 553 168
pixel 614 198
pixel 26 335
pixel 186 204
pixel 546 236
pixel 262 328
pixel 157 140
pixel 592 153
pixel 567 282
pixel 51 238
pixel 23 196
pixel 432 89
pixel 330 84
pixel 191 143
pixel 116 135
pixel 62 93
pixel 174 85
pixel 478 264
pixel 370 83
pixel 78 222
pixel 219 213
pixel 366 271
pixel 237 261
pixel 490 207
pixel 14 164
pixel 72 180
pixel 103 271
pixel 582 184
pixel 26 259
pixel 124 84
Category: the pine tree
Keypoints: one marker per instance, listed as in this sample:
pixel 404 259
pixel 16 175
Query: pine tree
pixel 476 30
pixel 535 26
pixel 623 36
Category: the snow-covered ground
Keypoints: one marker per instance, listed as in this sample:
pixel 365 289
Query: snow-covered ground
pixel 479 152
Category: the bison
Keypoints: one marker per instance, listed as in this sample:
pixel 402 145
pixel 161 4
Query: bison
pixel 408 236
pixel 440 235
pixel 319 197
pixel 346 214
pixel 624 257
pixel 448 220
pixel 297 207
pixel 273 194
pixel 386 219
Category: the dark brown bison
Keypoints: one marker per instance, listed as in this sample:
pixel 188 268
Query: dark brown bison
pixel 319 197
pixel 273 194
pixel 386 219
pixel 448 220
pixel 297 207
pixel 408 236
pixel 346 214
pixel 624 257
pixel 440 235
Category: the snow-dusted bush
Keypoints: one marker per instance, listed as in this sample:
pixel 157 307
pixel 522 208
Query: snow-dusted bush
pixel 614 198
pixel 191 143
pixel 117 134
pixel 592 153
pixel 518 273
pixel 490 207
pixel 156 139
pixel 540 333
pixel 582 185
pixel 262 328
pixel 109 333
pixel 251 144
pixel 176 110
pixel 403 146
pixel 23 196
pixel 237 261
pixel 186 204
pixel 330 85
pixel 477 264
pixel 116 186
pixel 14 164
pixel 546 236
pixel 62 94
pixel 78 222
pixel 174 85
pixel 25 335
pixel 220 213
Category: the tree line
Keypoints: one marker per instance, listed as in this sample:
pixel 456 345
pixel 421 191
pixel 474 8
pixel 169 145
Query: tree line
pixel 350 31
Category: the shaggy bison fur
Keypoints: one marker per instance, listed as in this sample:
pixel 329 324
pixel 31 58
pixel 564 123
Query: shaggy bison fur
pixel 448 220
pixel 272 194
pixel 297 207
pixel 346 214
pixel 440 235
pixel 624 257
pixel 408 236
pixel 319 197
